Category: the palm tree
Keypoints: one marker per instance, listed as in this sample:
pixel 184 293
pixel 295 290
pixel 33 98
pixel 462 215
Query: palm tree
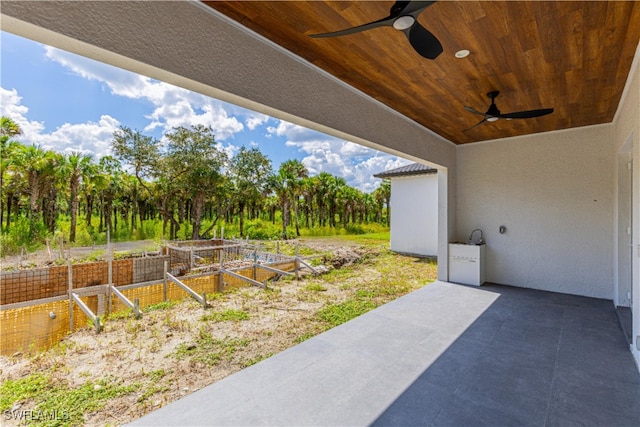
pixel 383 196
pixel 76 167
pixel 36 164
pixel 52 184
pixel 92 184
pixel 308 190
pixel 334 194
pixel 288 183
pixel 368 206
pixel 8 129
pixel 111 170
pixel 351 199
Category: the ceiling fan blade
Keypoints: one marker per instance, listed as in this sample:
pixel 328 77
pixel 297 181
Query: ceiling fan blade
pixel 384 22
pixel 425 43
pixel 477 124
pixel 527 114
pixel 471 110
pixel 415 7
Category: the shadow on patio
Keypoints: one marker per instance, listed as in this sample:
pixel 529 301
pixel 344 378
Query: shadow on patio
pixel 443 355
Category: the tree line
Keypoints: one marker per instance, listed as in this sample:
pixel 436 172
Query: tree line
pixel 187 180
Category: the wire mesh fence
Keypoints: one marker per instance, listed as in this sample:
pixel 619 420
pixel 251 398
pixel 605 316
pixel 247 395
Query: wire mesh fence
pixel 36 312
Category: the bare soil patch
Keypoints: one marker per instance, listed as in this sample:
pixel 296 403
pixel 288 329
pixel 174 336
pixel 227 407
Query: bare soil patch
pixel 177 348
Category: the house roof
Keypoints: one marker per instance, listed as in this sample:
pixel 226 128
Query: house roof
pixel 408 170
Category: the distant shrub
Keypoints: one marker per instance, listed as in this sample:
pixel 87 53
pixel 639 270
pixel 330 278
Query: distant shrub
pixel 321 231
pixel 258 229
pixel 23 235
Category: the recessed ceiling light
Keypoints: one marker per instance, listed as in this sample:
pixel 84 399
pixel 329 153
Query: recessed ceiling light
pixel 462 53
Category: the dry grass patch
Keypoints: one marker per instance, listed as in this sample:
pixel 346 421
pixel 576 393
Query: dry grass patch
pixel 178 347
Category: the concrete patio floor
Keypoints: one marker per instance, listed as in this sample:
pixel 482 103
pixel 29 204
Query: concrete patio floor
pixel 443 355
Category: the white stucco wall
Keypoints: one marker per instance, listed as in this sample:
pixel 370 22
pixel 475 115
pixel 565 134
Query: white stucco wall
pixel 414 214
pixel 553 192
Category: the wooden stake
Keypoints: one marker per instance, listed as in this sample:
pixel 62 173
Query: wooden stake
pixel 221 272
pixel 297 264
pixel 49 251
pixel 61 247
pixel 109 267
pixel 136 308
pixel 164 285
pixel 255 264
pixel 70 277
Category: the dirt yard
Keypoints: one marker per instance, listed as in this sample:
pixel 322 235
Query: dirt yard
pixel 136 366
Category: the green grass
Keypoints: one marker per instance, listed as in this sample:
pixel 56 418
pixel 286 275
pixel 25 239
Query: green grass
pixel 119 315
pixel 315 287
pixel 164 305
pixel 338 275
pixel 156 375
pixel 57 404
pixel 208 350
pixel 305 336
pixel 151 390
pixel 22 389
pixel 383 236
pixel 337 314
pixel 229 315
pixel 256 359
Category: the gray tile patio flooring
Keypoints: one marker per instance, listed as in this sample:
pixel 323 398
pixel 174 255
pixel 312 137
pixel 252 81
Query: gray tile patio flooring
pixel 443 355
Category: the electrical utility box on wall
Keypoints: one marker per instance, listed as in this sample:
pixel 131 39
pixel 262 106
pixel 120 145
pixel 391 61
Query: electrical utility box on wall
pixel 466 264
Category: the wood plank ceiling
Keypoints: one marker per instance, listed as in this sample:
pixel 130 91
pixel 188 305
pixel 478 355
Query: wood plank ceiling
pixel 573 56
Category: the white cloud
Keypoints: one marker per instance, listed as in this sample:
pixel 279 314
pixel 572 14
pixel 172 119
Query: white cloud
pixel 355 163
pixel 173 106
pixel 91 138
pixel 182 113
pixel 364 171
pixel 11 106
pixel 256 119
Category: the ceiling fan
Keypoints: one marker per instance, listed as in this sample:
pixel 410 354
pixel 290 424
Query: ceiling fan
pixel 494 114
pixel 403 16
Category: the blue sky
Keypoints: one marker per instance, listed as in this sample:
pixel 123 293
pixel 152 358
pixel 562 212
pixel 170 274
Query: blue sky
pixel 66 102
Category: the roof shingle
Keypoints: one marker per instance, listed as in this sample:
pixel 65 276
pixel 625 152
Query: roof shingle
pixel 408 170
